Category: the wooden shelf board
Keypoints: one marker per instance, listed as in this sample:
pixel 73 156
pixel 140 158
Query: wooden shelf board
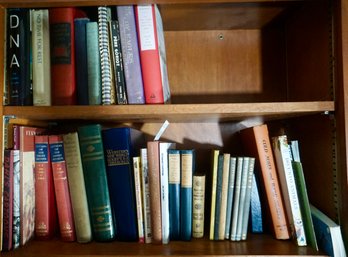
pixel 172 112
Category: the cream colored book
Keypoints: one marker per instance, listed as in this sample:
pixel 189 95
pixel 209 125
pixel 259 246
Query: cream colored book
pixel 198 194
pixel 138 200
pixel 213 193
pixel 224 195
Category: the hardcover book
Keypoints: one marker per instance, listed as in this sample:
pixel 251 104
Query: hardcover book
pixel 16 200
pixel 218 196
pixel 94 171
pixel 256 217
pixel 224 194
pixel 231 179
pixel 198 204
pixel 120 146
pixel 139 204
pixel 215 157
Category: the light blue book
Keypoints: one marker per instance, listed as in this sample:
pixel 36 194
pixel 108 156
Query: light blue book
pixel 235 208
pixel 232 178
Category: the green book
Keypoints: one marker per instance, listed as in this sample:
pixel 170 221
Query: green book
pixel 92 154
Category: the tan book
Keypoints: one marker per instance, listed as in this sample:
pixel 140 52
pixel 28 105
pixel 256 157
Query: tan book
pixel 215 155
pixel 138 196
pixel 198 194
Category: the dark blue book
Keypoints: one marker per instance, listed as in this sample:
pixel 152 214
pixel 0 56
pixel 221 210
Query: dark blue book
pixel 174 193
pixel 81 60
pixel 256 221
pixel 218 196
pixel 120 146
pixel 18 57
pixel 187 170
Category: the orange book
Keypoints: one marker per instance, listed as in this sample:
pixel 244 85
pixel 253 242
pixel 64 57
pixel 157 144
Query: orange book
pixel 257 144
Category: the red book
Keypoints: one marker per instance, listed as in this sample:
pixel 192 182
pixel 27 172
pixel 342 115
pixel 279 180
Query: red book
pixel 152 54
pixel 45 209
pixel 62 54
pixel 65 214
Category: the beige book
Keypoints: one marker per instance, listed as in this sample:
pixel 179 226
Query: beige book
pixel 138 196
pixel 198 194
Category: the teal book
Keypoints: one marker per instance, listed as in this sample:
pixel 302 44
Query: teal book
pixel 235 208
pixel 218 196
pixel 120 146
pixel 256 222
pixel 187 170
pixel 94 170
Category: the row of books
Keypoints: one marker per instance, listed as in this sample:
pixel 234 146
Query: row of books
pixel 86 56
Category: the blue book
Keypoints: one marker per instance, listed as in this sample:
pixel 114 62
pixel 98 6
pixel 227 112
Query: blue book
pixel 120 146
pixel 187 170
pixel 218 196
pixel 174 193
pixel 255 207
pixel 81 60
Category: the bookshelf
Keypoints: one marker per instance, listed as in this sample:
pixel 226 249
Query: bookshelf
pixel 232 63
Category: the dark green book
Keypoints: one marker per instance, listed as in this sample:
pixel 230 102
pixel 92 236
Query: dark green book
pixel 92 154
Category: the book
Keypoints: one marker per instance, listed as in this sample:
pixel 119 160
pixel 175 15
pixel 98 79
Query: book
pixel 231 179
pixel 256 217
pixel 93 64
pixel 174 181
pixel 282 154
pixel 16 200
pixel 81 66
pixel 152 54
pixel 130 54
pixel 138 198
pixel 27 181
pixel 94 171
pixel 146 195
pixel 214 168
pixel 45 206
pixel 77 188
pixel 18 56
pixel 328 234
pixel 63 69
pixel 218 196
pixel 120 146
pixel 187 171
pixel 198 205
pixel 41 58
pixel 61 187
pixel 257 144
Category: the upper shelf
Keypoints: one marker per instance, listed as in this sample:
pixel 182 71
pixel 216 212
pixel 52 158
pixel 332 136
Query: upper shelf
pixel 172 112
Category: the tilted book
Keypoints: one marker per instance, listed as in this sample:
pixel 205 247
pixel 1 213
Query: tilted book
pixel 198 204
pixel 120 146
pixel 94 171
pixel 256 216
pixel 77 187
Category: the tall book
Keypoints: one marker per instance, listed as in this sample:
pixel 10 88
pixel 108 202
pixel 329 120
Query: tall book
pixel 257 143
pixel 231 179
pixel 138 198
pixel 18 57
pixel 16 200
pixel 60 178
pixel 77 187
pixel 63 70
pixel 27 181
pixel 81 67
pixel 218 196
pixel 41 58
pixel 45 207
pixel 187 171
pixel 224 194
pixel 198 204
pixel 282 154
pixel 94 171
pixel 174 182
pixel 214 165
pixel 130 54
pixel 152 54
pixel 120 146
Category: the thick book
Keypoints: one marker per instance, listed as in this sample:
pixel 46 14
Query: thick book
pixel 61 187
pixel 93 64
pixel 120 146
pixel 198 205
pixel 152 54
pixel 16 200
pixel 282 154
pixel 174 181
pixel 130 54
pixel 81 68
pixel 230 193
pixel 18 57
pixel 45 206
pixel 94 171
pixel 257 143
pixel 138 198
pixel 77 187
pixel 41 58
pixel 218 196
pixel 214 168
pixel 63 70
pixel 27 181
pixel 328 234
pixel 187 171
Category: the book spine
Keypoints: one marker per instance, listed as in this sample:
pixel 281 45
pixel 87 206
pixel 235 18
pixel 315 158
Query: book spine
pixel 94 170
pixel 64 208
pixel 215 157
pixel 218 196
pixel 235 208
pixel 77 188
pixel 224 194
pixel 187 170
pixel 81 61
pixel 256 221
pixel 45 211
pixel 130 54
pixel 137 184
pixel 198 204
pixel 174 181
pixel 231 179
pixel 18 51
pixel 7 196
pixel 41 58
pixel 93 64
pixel 16 200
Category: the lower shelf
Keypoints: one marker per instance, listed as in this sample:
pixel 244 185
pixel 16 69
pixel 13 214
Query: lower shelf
pixel 256 245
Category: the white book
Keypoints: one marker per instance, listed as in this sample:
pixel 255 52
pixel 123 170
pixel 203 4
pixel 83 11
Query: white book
pixel 283 159
pixel 138 198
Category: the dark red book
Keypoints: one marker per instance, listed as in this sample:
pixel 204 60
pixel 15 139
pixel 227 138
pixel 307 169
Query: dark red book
pixel 62 36
pixel 45 208
pixel 65 214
